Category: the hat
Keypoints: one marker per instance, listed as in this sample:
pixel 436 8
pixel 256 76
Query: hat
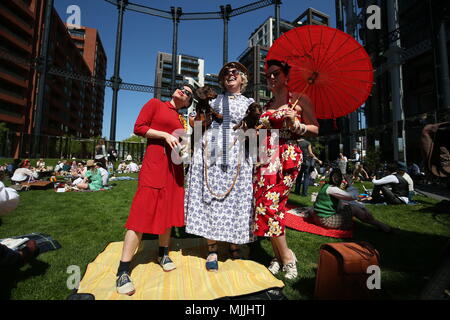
pixel 233 64
pixel 401 166
pixel 90 163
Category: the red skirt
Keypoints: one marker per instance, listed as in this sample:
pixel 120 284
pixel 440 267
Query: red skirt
pixel 154 210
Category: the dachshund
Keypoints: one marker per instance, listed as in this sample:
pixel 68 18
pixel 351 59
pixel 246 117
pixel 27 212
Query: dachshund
pixel 251 118
pixel 203 111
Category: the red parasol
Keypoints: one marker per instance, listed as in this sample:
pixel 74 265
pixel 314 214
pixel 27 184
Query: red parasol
pixel 328 66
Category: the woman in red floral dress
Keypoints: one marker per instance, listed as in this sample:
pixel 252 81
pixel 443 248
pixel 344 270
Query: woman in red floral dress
pixel 274 178
pixel 158 204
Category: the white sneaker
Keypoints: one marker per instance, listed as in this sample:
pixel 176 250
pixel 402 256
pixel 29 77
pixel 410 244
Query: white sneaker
pixel 274 266
pixel 291 268
pixel 124 285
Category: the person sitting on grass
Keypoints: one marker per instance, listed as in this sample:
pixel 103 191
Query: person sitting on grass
pixel 93 179
pixel 359 174
pixel 132 167
pixel 40 165
pixel 103 172
pixel 25 173
pixel 66 166
pixel 333 210
pixel 122 167
pixel 393 188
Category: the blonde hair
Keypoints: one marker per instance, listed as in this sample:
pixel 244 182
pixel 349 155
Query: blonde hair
pixel 243 85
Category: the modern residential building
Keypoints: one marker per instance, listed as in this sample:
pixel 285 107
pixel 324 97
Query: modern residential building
pixel 412 89
pixel 212 80
pixel 88 42
pixel 254 56
pixel 19 22
pixel 264 35
pixel 312 16
pixel 70 107
pixel 186 67
pixel 189 69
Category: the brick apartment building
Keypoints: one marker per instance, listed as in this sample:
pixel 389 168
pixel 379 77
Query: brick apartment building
pixel 70 107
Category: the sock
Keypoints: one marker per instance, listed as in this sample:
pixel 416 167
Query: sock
pixel 163 251
pixel 124 266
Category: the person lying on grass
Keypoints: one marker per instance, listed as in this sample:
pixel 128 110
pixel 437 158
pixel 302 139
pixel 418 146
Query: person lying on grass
pixel 333 211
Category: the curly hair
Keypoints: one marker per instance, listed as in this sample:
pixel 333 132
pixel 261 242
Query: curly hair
pixel 243 85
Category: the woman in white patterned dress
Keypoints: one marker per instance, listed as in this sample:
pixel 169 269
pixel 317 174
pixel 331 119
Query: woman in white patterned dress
pixel 219 192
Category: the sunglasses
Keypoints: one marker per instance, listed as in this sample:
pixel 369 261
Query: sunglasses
pixel 234 72
pixel 185 91
pixel 275 74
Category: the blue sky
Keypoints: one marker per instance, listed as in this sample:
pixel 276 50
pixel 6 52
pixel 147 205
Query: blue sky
pixel 145 35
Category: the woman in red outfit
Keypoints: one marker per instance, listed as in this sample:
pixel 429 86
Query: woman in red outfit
pixel 158 204
pixel 274 179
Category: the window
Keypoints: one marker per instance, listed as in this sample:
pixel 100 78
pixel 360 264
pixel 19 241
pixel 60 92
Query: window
pixel 260 34
pixel 77 32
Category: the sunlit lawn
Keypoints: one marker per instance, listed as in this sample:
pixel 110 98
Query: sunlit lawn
pixel 85 222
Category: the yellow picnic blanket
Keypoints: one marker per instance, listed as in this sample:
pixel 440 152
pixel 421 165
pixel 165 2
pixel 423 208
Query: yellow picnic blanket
pixel 190 281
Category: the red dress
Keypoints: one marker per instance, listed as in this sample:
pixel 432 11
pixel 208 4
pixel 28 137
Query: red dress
pixel 159 200
pixel 274 179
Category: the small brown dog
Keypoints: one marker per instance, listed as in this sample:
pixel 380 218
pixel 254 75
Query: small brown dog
pixel 203 110
pixel 251 118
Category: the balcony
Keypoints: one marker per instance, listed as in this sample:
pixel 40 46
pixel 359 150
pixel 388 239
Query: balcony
pixel 17 21
pixel 22 7
pixel 15 39
pixel 13 77
pixel 12 98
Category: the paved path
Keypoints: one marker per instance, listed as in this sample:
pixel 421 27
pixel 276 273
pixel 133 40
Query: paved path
pixel 432 191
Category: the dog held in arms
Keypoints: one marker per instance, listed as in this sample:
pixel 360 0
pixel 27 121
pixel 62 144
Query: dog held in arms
pixel 206 114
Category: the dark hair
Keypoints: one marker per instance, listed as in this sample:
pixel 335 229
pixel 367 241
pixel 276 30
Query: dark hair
pixel 283 65
pixel 335 177
pixel 193 92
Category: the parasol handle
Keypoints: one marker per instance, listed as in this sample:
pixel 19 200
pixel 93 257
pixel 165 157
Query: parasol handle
pixel 311 80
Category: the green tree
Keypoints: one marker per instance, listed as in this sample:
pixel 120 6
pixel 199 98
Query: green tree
pixel 135 138
pixel 372 160
pixel 3 127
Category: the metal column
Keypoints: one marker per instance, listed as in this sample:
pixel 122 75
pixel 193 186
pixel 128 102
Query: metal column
pixel 43 62
pixel 225 10
pixel 176 12
pixel 444 78
pixel 339 15
pixel 277 19
pixel 116 78
pixel 395 69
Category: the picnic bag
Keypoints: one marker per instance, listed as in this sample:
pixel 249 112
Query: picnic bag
pixel 342 271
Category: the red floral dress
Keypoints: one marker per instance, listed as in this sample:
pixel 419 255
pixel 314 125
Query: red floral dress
pixel 274 179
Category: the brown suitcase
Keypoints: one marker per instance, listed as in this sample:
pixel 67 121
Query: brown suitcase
pixel 342 271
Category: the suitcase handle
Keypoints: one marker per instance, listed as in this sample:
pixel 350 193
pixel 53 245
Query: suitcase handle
pixel 364 254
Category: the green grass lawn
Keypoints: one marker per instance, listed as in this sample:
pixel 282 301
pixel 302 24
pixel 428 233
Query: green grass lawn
pixel 84 223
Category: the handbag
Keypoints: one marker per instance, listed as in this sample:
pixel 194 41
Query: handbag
pixel 342 273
